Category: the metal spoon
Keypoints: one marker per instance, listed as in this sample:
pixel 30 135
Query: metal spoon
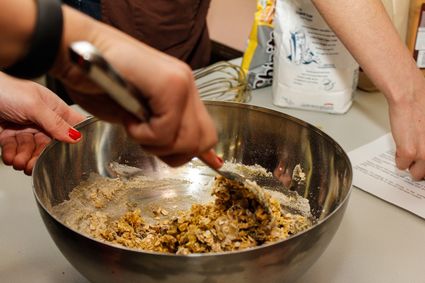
pixel 91 61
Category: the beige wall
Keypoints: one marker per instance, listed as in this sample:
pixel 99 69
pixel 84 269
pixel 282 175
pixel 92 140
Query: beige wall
pixel 398 11
pixel 230 21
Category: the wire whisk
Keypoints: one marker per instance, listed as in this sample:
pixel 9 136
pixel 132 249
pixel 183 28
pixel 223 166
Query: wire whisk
pixel 223 81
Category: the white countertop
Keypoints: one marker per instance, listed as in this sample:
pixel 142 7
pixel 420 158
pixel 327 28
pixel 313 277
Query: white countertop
pixel 376 242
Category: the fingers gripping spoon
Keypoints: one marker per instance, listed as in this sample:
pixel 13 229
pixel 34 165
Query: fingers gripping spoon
pixel 95 66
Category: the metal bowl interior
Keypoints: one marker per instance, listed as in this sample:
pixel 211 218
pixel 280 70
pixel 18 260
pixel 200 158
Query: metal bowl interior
pixel 247 134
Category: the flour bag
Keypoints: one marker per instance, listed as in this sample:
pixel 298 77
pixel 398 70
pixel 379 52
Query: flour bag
pixel 312 68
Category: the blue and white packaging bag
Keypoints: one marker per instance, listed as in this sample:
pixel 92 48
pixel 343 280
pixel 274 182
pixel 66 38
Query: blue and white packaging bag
pixel 312 68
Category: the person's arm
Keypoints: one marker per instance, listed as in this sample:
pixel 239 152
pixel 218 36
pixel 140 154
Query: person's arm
pixel 180 127
pixel 368 33
pixel 16 24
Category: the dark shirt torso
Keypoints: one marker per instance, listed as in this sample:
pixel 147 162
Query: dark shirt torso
pixel 176 27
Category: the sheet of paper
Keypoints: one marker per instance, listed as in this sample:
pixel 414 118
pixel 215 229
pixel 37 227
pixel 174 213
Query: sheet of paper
pixel 375 172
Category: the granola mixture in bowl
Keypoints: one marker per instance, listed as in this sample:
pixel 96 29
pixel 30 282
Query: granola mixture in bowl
pixel 247 135
pixel 232 219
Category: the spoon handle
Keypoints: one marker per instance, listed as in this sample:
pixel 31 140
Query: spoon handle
pixel 95 66
pixel 91 61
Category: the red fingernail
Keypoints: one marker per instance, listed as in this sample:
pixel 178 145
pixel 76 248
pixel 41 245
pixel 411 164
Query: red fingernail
pixel 74 134
pixel 220 160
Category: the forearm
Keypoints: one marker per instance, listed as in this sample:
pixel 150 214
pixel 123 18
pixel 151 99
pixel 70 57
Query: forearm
pixel 366 30
pixel 17 24
pixel 17 20
pixel 115 46
pixel 76 27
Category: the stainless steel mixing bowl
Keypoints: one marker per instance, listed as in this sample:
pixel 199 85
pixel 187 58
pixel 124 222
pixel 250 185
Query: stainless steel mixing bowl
pixel 247 134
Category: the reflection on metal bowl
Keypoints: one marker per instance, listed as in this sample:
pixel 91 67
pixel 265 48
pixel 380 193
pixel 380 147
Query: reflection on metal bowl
pixel 247 134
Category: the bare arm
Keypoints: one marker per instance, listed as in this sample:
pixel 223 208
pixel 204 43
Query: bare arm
pixel 166 82
pixel 15 34
pixel 367 32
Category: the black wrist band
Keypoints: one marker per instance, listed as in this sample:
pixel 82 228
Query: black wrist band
pixel 44 44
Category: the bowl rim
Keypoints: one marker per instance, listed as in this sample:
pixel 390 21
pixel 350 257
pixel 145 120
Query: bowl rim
pixel 92 119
